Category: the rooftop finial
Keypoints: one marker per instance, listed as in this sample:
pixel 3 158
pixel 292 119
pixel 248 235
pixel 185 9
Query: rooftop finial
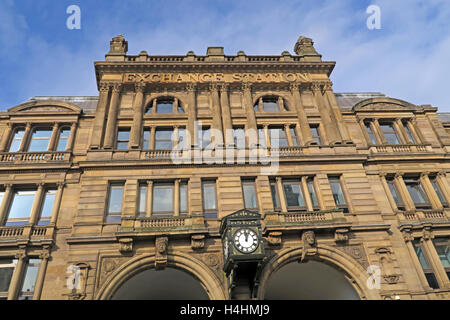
pixel 305 47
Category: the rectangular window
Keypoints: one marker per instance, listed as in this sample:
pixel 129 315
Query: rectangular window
pixel 438 191
pixel 114 213
pixel 389 133
pixel 275 198
pixel 123 139
pixel 40 140
pixel 409 133
pixel 181 138
pixel 239 137
pixel 312 193
pixel 417 193
pixel 209 199
pixel 7 267
pixel 47 207
pixel 20 209
pixel 17 140
pixel 295 138
pixel 431 278
pixel 163 139
pixel 64 135
pixel 143 200
pixel 205 137
pixel 442 246
pixel 163 198
pixel 398 200
pixel 370 133
pixel 336 190
pixel 278 137
pixel 262 137
pixel 184 199
pixel 29 282
pixel 146 139
pixel 249 191
pixel 294 195
pixel 315 133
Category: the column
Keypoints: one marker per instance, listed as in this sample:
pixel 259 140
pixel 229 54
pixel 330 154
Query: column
pixel 441 179
pixel 302 117
pixel 412 252
pixel 434 261
pixel 138 108
pixel 176 200
pixel 415 133
pixel 247 101
pixel 99 122
pixel 192 115
pixel 328 123
pixel 57 204
pixel 149 198
pixel 226 115
pixel 281 195
pixel 5 204
pixel 288 135
pixel 336 111
pixel 404 194
pixel 152 138
pixel 54 137
pixel 398 125
pixel 73 133
pixel 362 124
pixel 216 114
pixel 36 208
pixel 44 256
pixel 5 138
pixel 267 136
pixel 307 196
pixel 16 283
pixel 375 125
pixel 26 137
pixel 388 191
pixel 280 103
pixel 112 117
pixel 429 190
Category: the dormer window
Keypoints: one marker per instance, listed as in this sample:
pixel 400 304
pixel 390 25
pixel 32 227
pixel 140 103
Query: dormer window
pixel 164 105
pixel 270 104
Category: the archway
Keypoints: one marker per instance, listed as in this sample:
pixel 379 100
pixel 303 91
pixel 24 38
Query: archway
pixel 309 281
pixel 164 284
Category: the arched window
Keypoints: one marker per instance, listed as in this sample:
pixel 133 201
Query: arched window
pixel 271 103
pixel 163 105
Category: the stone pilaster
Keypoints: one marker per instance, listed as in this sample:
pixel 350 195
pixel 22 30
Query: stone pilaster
pixel 99 122
pixel 112 117
pixel 301 114
pixel 226 115
pixel 138 109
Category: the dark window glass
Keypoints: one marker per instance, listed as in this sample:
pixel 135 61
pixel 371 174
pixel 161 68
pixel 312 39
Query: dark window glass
pixel 209 199
pixel 273 189
pixel 63 139
pixel 17 140
pixel 439 192
pixel 6 272
pixel 278 137
pixel 163 199
pixel 431 278
pixel 398 200
pixel 249 191
pixel 123 138
pixel 389 133
pixel 115 203
pixel 164 106
pixel 163 139
pixel 417 193
pixel 29 281
pixel 409 133
pixel 312 192
pixel 40 140
pixel 370 133
pixel 316 134
pixel 442 246
pixel 336 190
pixel 20 210
pixel 293 193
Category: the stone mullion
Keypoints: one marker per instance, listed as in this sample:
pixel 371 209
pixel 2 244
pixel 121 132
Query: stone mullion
pixel 435 262
pixel 319 194
pixel 267 136
pixel 398 125
pixel 302 117
pixel 248 106
pixel 334 107
pixel 16 280
pixel 328 125
pixel 112 118
pixel 41 275
pixel 149 201
pixel 192 115
pixel 281 197
pixel 364 130
pixel 307 196
pixel 7 196
pixel 375 125
pixel 6 138
pixel 138 107
pixel 217 114
pixel 404 194
pixel 99 122
pixel 388 192
pixel 53 139
pixel 36 207
pixel 415 133
pixel 429 190
pixel 73 133
pixel 176 137
pixel 57 204
pixel 26 137
pixel 280 104
pixel 260 105
pixel 442 182
pixel 226 115
pixel 287 129
pixel 176 196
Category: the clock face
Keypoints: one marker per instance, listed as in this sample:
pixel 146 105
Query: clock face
pixel 246 240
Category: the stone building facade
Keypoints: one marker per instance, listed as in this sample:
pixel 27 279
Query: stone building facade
pixel 98 190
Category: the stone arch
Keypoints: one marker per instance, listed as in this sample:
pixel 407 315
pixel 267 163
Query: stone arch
pixel 211 284
pixel 384 103
pixel 353 271
pixel 52 105
pixel 286 98
pixel 149 100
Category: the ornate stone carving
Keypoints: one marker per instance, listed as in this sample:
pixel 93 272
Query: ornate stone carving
pixel 212 260
pixel 191 87
pixel 407 235
pixel 126 245
pixel 341 235
pixel 387 265
pixel 391 279
pixel 161 245
pixel 104 87
pixel 309 244
pixel 357 252
pixel 316 86
pixel 116 87
pixel 274 238
pixel 427 234
pixel 139 86
pixel 198 241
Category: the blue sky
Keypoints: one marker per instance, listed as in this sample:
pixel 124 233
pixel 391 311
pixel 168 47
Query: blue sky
pixel 407 59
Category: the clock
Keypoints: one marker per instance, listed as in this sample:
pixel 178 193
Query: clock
pixel 246 240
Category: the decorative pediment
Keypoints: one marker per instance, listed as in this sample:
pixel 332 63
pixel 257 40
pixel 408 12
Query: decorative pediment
pixel 48 106
pixel 385 104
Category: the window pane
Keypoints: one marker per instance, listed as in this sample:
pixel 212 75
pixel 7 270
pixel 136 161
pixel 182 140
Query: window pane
pixel 162 198
pixel 163 139
pixel 394 193
pixel 181 138
pixel 40 141
pixel 370 133
pixel 17 140
pixel 146 142
pixel 239 138
pixel 294 195
pixel 312 193
pixel 416 191
pixel 47 206
pixel 205 137
pixel 443 250
pixel 2 194
pixel 164 106
pixel 315 134
pixel 63 138
pixel 421 255
pixel 336 189
pixel 6 272
pixel 115 199
pixel 294 136
pixel 278 137
pixel 21 207
pixel 183 198
pixel 438 191
pixel 209 196
pixel 143 200
pixel 262 137
pixel 270 105
pixel 410 136
pixel 389 133
pixel 31 276
pixel 249 195
pixel 273 189
pixel 123 138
